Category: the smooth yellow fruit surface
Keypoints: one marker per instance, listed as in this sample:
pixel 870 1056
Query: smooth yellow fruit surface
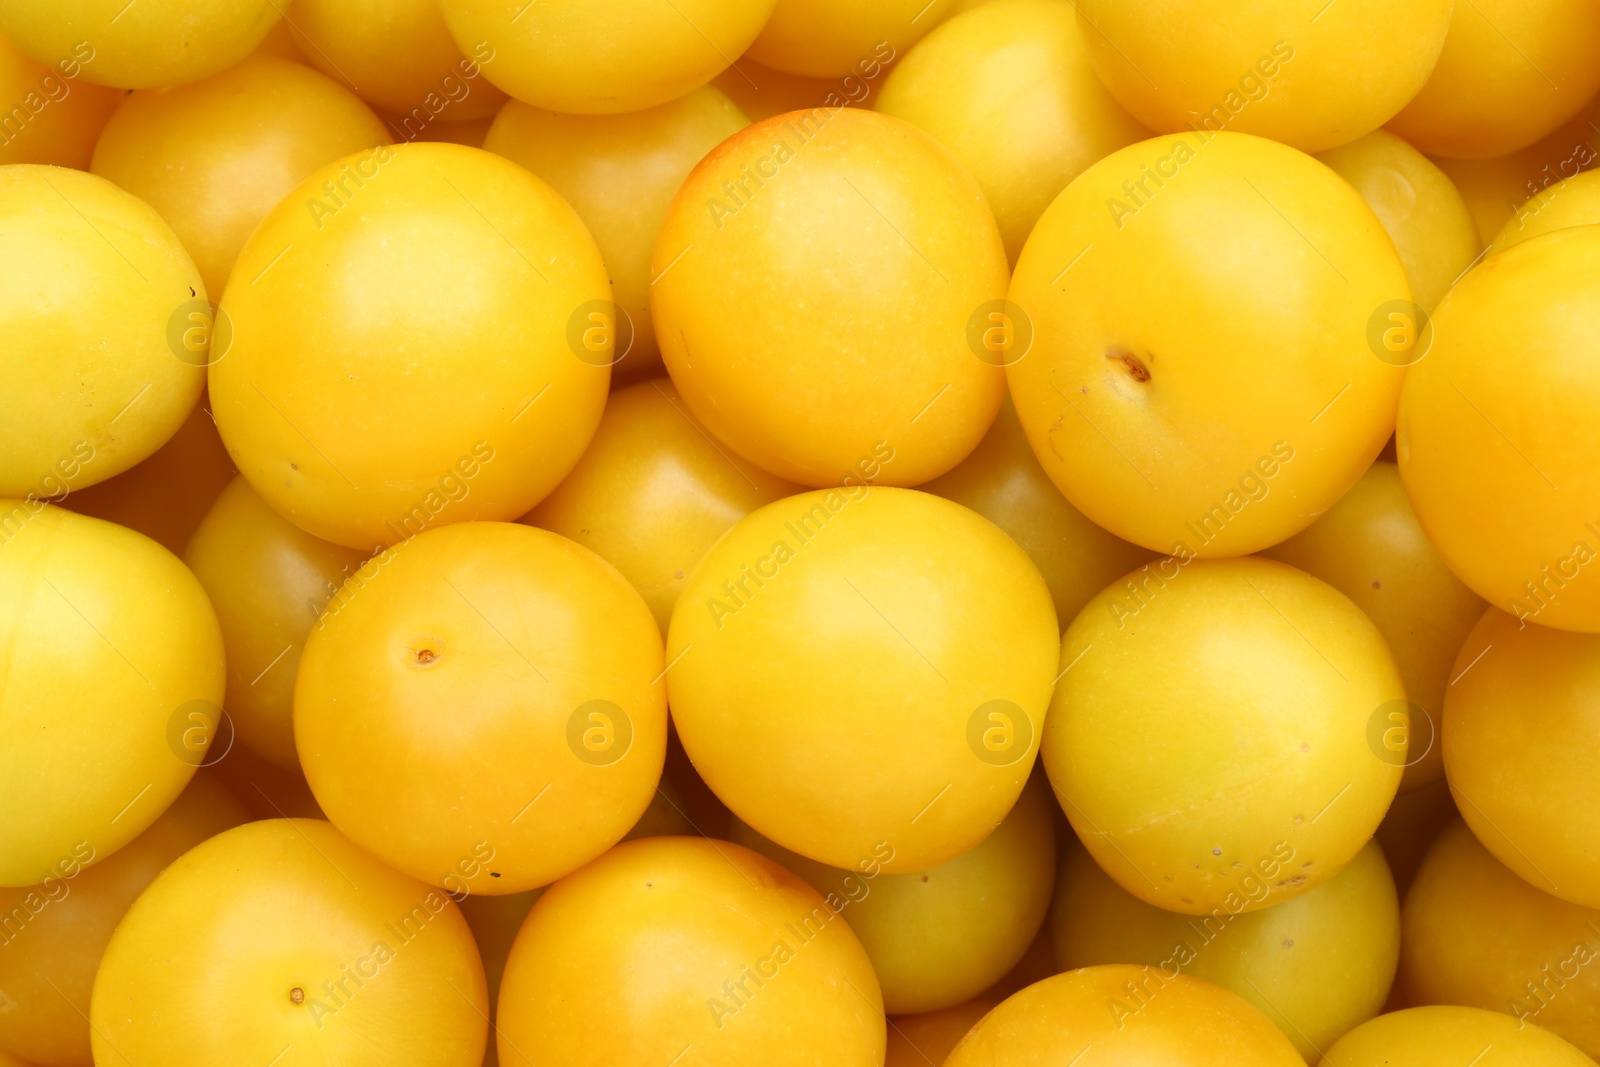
pixel 815 287
pixel 939 937
pixel 1521 740
pixel 52 115
pixel 1193 781
pixel 1002 481
pixel 831 38
pixel 1307 77
pixel 482 705
pixel 91 295
pixel 1571 202
pixel 214 157
pixel 1370 548
pixel 1202 377
pixel 1474 933
pixel 1010 91
pixel 1421 210
pixel 1410 827
pixel 711 947
pixel 111 645
pixel 605 56
pixel 1493 188
pixel 1316 965
pixel 918 1040
pixel 268 580
pixel 862 668
pixel 761 92
pixel 1511 72
pixel 321 955
pixel 398 56
pixel 400 353
pixel 140 46
pixel 653 492
pixel 167 495
pixel 1152 1021
pixel 52 935
pixel 620 173
pixel 1448 1036
pixel 1497 432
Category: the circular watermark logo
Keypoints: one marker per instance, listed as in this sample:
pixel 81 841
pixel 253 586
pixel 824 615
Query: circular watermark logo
pixel 1399 333
pixel 1400 733
pixel 599 732
pixel 199 733
pixel 198 333
pixel 600 333
pixel 999 733
pixel 999 332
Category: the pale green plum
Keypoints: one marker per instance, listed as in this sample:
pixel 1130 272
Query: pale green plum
pixel 939 937
pixel 1192 778
pixel 1316 965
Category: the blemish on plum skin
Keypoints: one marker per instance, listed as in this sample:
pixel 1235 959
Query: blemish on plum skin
pixel 1132 364
pixel 297 995
pixel 426 656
